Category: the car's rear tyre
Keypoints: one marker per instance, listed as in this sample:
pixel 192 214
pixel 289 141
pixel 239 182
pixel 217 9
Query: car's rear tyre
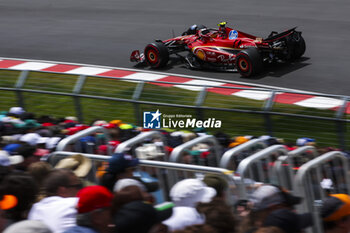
pixel 156 55
pixel 295 46
pixel 300 48
pixel 249 62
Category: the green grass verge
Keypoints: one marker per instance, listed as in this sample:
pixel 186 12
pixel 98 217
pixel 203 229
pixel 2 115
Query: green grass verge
pixel 233 123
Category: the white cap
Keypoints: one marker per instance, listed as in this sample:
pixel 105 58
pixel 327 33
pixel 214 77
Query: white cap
pixel 30 138
pixel 43 140
pixel 99 122
pixel 6 159
pixel 304 141
pixel 189 192
pixel 52 142
pixel 71 118
pixel 123 183
pixel 16 110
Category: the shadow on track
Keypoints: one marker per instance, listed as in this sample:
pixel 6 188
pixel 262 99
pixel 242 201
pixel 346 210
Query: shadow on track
pixel 279 70
pixel 276 70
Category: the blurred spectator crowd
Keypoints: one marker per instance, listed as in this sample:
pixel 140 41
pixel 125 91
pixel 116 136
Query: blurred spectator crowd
pixel 36 196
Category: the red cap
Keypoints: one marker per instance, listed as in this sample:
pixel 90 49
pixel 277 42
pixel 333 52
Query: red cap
pixel 46 124
pixel 109 126
pixel 93 198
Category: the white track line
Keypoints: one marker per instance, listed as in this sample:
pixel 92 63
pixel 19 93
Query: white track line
pixel 320 102
pixel 33 66
pixel 87 71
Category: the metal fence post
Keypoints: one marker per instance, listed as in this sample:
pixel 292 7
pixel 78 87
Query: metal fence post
pixel 77 89
pixel 19 84
pixel 267 108
pixel 136 96
pixel 199 101
pixel 341 125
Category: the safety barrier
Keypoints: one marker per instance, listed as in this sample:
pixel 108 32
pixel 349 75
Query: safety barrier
pixel 93 97
pixel 176 154
pixel 90 147
pixel 286 166
pixel 234 156
pixel 125 146
pixel 258 167
pixel 332 165
pixel 162 169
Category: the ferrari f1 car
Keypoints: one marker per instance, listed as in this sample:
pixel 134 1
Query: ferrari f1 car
pixel 224 48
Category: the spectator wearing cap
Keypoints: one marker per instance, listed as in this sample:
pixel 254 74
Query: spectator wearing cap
pixel 266 199
pixel 122 166
pixel 93 210
pixel 6 202
pixel 186 194
pixel 335 213
pixel 80 165
pixel 57 210
pixel 129 190
pixel 17 111
pixel 238 141
pixel 7 160
pixel 271 197
pixel 24 188
pixel 141 217
pixel 305 142
pixel 124 183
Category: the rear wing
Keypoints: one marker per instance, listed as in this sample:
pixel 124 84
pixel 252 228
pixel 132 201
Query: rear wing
pixel 276 36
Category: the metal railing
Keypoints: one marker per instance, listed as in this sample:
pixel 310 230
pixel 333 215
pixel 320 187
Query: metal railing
pixel 177 153
pixel 72 139
pixel 258 167
pixel 231 158
pixel 162 169
pixel 286 166
pixel 139 139
pixel 332 165
pixel 267 112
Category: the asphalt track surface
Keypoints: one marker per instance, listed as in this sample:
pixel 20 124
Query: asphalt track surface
pixel 104 32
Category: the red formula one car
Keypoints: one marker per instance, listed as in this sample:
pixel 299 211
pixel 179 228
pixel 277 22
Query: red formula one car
pixel 224 49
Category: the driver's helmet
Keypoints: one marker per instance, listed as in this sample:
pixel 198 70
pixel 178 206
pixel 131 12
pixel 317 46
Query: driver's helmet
pixel 222 26
pixel 193 29
pixel 222 29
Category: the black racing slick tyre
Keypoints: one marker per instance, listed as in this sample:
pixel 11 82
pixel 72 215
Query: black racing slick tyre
pixel 295 46
pixel 156 55
pixel 249 62
pixel 300 48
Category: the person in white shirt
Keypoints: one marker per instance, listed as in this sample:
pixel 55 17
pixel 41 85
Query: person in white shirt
pixel 58 209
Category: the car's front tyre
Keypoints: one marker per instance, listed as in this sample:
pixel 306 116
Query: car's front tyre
pixel 156 55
